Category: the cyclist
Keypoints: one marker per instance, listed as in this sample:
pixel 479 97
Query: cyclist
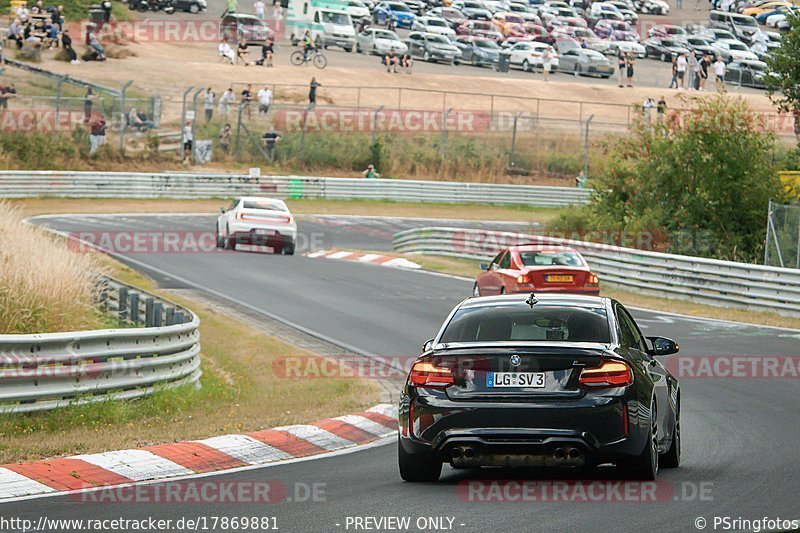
pixel 308 44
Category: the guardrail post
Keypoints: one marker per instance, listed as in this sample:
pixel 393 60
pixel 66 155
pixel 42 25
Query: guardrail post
pixel 134 314
pixel 123 304
pixel 170 315
pixel 158 311
pixel 148 312
pixel 194 125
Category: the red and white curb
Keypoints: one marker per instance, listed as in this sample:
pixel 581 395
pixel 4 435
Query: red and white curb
pixel 189 458
pixel 377 259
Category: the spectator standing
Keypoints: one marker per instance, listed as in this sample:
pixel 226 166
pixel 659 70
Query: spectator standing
pixel 694 68
pixel 247 98
pixel 312 91
pixel 258 7
pixel 581 180
pixel 661 109
pixel 231 6
pixel 271 139
pixel 371 173
pixel 622 62
pixel 629 69
pixel 704 64
pixel 57 17
pixel 719 71
pixel 225 137
pixel 547 58
pixel 97 134
pixel 674 73
pixel 264 100
pixel 188 138
pixel 88 103
pixel 647 107
pixel 681 66
pixel 277 11
pixel 208 103
pixel 225 102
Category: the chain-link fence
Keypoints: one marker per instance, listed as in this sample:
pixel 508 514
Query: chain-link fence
pixel 783 236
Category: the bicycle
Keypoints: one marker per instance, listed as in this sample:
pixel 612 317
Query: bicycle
pixel 315 56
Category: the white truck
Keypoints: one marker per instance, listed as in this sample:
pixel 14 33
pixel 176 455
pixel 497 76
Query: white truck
pixel 328 22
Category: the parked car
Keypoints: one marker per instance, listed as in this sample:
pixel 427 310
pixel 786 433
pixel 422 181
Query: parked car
pixel 191 6
pixel 747 73
pixel 653 7
pixel 737 49
pixel 524 11
pixel 669 31
pixel 664 49
pixel 626 10
pixel 429 24
pixel 473 9
pixel 755 10
pixel 508 24
pixel 615 30
pixel 528 55
pixel 742 27
pixel 585 62
pixel 358 10
pixel 379 41
pixel 629 47
pixel 237 26
pixel 453 16
pixel 480 28
pixel 399 11
pixel 432 47
pixel 699 45
pixel 477 50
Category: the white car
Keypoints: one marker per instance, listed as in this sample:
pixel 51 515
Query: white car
pixel 525 12
pixel 358 10
pixel 429 24
pixel 257 221
pixel 737 49
pixel 633 47
pixel 379 41
pixel 528 55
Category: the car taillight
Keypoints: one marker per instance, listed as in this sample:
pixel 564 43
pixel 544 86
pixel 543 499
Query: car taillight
pixel 426 374
pixel 592 280
pixel 608 374
pixel 524 278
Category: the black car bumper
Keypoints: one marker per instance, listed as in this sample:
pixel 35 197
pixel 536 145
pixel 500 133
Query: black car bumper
pixel 253 238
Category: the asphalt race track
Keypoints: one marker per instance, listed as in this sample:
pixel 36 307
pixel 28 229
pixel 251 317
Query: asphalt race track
pixel 737 433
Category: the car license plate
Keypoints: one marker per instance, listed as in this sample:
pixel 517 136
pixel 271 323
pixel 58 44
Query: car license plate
pixel 264 231
pixel 515 379
pixel 558 279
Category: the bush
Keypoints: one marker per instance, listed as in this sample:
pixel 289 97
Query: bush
pixel 703 181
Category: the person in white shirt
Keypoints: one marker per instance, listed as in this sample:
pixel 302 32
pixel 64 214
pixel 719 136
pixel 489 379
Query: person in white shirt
pixel 225 102
pixel 208 103
pixel 226 52
pixel 719 72
pixel 648 106
pixel 188 136
pixel 681 70
pixel 259 7
pixel 264 100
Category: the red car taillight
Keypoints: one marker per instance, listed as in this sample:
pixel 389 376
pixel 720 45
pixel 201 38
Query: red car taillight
pixel 426 374
pixel 608 374
pixel 524 278
pixel 592 279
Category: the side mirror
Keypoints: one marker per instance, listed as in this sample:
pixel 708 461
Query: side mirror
pixel 222 210
pixel 427 346
pixel 484 266
pixel 663 346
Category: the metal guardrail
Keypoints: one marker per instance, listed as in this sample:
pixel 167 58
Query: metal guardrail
pixel 707 281
pixel 26 184
pixel 50 370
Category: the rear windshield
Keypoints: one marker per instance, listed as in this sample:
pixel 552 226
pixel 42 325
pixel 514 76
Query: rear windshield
pixel 521 323
pixel 551 258
pixel 264 204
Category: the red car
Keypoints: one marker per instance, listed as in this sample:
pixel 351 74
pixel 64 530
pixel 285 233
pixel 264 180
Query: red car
pixel 537 268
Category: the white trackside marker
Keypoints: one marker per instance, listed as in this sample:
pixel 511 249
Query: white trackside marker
pixel 13 484
pixel 137 465
pixel 246 449
pixel 318 436
pixel 365 424
pixel 367 258
pixel 384 409
pixel 340 255
pixel 318 253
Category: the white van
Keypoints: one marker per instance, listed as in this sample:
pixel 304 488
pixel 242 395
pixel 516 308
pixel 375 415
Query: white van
pixel 742 26
pixel 328 21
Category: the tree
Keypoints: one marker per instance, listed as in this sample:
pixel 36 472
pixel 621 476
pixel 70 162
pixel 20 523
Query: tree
pixel 703 181
pixel 783 79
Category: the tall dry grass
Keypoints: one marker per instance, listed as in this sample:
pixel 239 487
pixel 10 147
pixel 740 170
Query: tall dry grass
pixel 44 286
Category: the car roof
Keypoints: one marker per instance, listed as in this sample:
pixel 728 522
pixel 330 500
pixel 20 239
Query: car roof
pixel 545 299
pixel 261 199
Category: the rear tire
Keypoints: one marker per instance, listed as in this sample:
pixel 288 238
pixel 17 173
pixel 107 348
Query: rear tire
pixel 220 241
pixel 645 467
pixel 297 58
pixel 288 250
pixel 672 459
pixel 419 467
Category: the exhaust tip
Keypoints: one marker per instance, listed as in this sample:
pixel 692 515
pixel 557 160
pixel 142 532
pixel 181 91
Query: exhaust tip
pixel 559 454
pixel 469 452
pixel 456 452
pixel 573 453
